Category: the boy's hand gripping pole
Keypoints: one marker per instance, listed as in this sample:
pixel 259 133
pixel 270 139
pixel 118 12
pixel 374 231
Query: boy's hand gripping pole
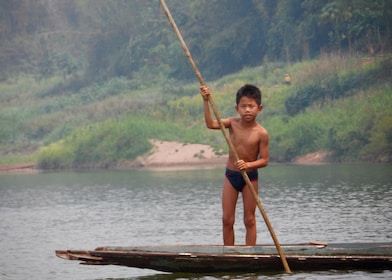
pixel 225 134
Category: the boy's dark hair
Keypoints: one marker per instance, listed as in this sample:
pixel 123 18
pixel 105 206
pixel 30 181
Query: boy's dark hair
pixel 249 91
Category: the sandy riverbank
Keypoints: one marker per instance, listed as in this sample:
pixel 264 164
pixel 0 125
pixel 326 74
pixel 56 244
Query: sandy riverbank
pixel 176 155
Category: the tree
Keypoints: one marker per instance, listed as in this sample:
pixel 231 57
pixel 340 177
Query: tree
pixel 369 24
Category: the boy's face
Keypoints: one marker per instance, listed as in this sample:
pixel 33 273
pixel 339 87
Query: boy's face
pixel 248 109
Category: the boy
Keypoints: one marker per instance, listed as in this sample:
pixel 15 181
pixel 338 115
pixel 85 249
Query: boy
pixel 250 141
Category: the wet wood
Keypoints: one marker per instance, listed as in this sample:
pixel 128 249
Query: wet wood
pixel 314 256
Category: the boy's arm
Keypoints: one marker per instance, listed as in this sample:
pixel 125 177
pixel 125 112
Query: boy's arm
pixel 263 150
pixel 210 121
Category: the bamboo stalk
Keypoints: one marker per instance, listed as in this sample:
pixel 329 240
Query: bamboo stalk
pixel 225 134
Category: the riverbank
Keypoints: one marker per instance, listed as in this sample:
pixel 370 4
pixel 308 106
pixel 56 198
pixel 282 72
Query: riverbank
pixel 23 168
pixel 163 155
pixel 174 155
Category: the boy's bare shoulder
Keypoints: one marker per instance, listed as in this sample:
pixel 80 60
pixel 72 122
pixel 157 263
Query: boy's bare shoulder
pixel 262 130
pixel 232 120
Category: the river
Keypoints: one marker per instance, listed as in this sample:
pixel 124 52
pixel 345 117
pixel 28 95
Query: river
pixel 42 212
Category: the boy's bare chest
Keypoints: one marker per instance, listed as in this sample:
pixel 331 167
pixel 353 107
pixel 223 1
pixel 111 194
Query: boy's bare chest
pixel 248 137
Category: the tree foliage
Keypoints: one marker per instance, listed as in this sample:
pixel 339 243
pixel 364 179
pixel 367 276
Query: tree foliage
pixel 133 38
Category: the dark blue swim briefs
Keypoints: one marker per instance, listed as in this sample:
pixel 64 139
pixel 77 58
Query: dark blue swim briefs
pixel 236 179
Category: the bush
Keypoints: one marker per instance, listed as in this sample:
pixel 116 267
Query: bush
pixel 336 87
pixel 55 156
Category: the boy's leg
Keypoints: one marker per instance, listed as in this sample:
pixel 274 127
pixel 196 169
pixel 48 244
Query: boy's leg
pixel 249 214
pixel 229 200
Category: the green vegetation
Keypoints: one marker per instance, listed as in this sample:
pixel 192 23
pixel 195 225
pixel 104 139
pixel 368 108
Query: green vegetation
pixel 106 143
pixel 107 123
pixel 86 83
pixel 85 41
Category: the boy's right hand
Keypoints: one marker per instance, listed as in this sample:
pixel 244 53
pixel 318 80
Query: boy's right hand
pixel 205 92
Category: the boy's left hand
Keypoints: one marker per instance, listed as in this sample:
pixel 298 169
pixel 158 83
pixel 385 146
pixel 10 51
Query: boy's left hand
pixel 241 165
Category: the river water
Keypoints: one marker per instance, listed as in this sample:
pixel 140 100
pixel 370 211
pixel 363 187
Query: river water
pixel 42 212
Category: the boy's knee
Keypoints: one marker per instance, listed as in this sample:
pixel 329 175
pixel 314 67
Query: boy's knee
pixel 227 221
pixel 250 222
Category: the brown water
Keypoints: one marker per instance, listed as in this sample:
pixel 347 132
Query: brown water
pixel 40 213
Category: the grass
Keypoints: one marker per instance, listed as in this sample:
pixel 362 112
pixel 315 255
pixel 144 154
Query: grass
pixel 109 121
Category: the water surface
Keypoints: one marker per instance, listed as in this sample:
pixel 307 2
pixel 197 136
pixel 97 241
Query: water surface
pixel 40 213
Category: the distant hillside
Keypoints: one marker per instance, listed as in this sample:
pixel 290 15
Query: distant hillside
pixel 339 104
pixel 87 83
pixel 90 40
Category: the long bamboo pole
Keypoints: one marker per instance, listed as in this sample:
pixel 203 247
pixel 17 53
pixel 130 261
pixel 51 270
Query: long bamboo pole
pixel 225 134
